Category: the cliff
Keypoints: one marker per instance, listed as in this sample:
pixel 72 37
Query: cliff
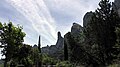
pixel 54 50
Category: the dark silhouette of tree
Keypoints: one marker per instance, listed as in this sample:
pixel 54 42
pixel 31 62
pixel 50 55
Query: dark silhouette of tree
pixel 65 51
pixel 23 55
pixel 39 45
pixel 35 55
pixel 11 38
pixel 71 45
pixel 116 50
pixel 103 24
pixel 39 48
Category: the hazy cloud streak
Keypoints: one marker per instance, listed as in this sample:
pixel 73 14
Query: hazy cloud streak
pixel 37 12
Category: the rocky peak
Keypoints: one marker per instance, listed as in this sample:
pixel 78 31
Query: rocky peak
pixel 54 48
pixel 59 35
pixel 87 18
pixel 76 29
pixel 59 43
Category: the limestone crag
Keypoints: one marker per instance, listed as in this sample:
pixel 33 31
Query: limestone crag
pixel 50 50
pixel 60 40
pixel 76 33
pixel 87 18
pixel 76 29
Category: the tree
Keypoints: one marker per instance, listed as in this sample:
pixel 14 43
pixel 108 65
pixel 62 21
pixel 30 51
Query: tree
pixel 48 60
pixel 117 46
pixel 39 48
pixel 35 55
pixel 65 51
pixel 103 24
pixel 24 55
pixel 11 39
pixel 70 44
pixel 71 48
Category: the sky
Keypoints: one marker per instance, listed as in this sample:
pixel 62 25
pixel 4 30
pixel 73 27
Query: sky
pixel 45 17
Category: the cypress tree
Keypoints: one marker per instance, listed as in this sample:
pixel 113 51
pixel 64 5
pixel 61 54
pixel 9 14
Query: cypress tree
pixel 39 45
pixel 39 48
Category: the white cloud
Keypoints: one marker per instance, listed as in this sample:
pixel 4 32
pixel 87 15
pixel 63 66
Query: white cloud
pixel 74 8
pixel 37 12
pixel 70 11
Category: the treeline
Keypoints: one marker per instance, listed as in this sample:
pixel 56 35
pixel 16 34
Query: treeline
pixel 101 45
pixel 15 52
pixel 97 45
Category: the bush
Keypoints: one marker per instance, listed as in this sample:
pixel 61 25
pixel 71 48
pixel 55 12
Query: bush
pixel 2 65
pixel 48 60
pixel 64 64
pixel 114 65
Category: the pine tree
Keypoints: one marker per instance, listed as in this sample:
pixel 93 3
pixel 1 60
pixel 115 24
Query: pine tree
pixel 103 23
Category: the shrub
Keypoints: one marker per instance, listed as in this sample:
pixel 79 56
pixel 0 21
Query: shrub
pixel 64 64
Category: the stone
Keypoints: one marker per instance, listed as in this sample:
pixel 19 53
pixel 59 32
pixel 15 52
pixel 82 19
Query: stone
pixel 53 49
pixel 76 29
pixel 117 6
pixel 87 18
pixel 60 40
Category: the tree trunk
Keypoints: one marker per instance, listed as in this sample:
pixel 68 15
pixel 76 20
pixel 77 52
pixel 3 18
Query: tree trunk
pixel 5 63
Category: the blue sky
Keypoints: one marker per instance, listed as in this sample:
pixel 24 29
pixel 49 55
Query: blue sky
pixel 45 17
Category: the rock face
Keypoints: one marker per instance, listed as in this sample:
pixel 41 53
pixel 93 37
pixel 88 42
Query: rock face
pixel 76 29
pixel 73 40
pixel 87 18
pixel 60 40
pixel 53 49
pixel 117 6
pixel 76 33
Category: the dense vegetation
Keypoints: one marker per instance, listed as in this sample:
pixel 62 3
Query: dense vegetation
pixel 101 45
pixel 97 45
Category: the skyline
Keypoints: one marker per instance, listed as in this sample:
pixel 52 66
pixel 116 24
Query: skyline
pixel 45 17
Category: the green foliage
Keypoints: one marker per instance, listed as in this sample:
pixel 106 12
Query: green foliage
pixel 114 65
pixel 117 46
pixel 65 51
pixel 23 55
pixel 102 43
pixel 1 65
pixel 35 55
pixel 75 50
pixel 64 64
pixel 70 44
pixel 118 35
pixel 48 60
pixel 11 39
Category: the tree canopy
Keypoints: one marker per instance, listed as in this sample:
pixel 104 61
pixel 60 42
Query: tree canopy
pixel 11 38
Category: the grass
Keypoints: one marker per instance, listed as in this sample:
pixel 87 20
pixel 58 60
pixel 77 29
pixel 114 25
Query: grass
pixel 1 65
